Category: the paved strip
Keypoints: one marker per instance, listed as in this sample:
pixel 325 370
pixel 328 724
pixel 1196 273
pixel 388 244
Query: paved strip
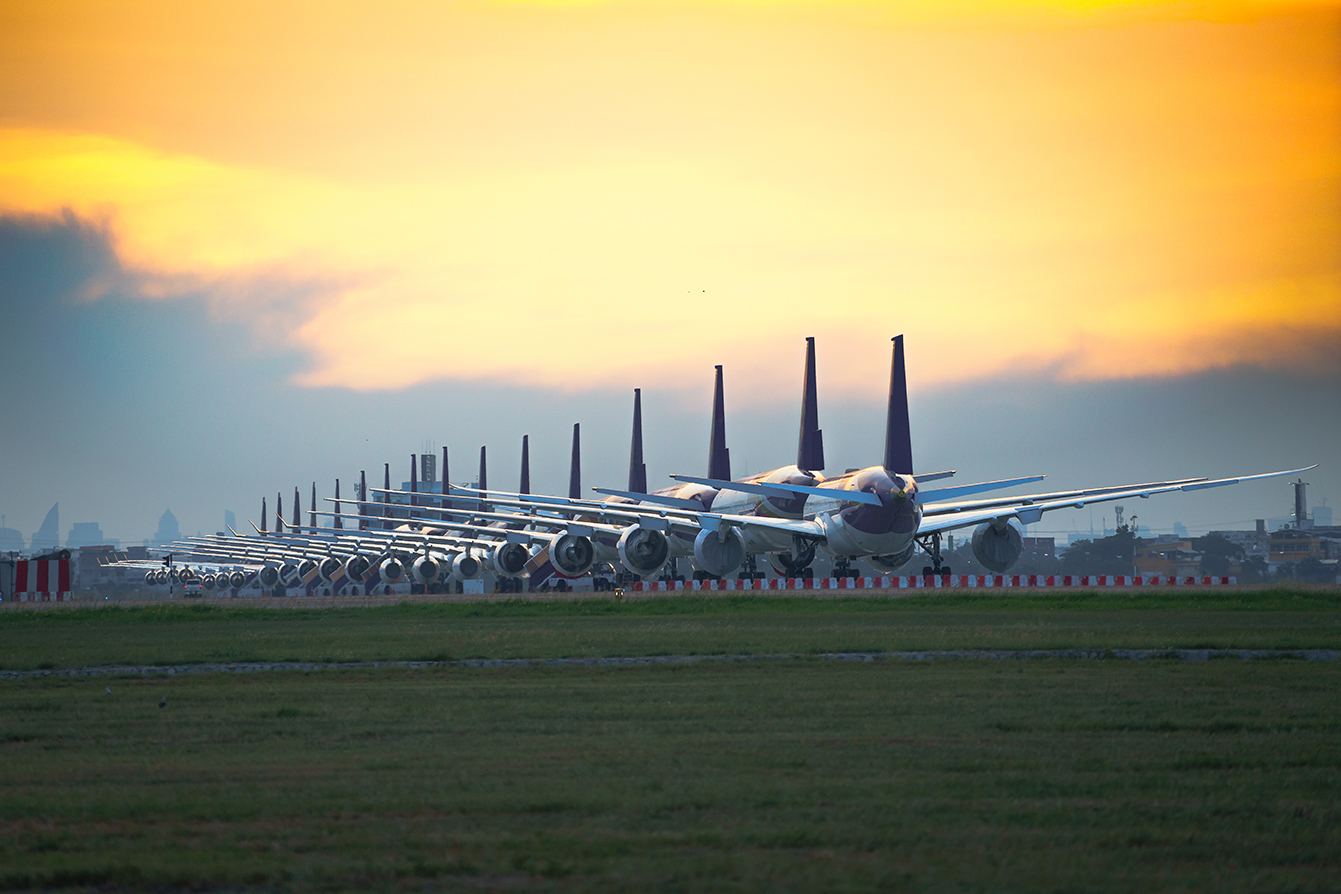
pixel 249 667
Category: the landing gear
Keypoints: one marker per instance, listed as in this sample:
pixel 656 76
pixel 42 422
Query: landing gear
pixel 931 545
pixel 797 562
pixel 843 567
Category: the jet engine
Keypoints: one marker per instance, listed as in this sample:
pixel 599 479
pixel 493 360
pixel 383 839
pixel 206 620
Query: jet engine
pixel 391 570
pixel 286 573
pixel 161 577
pixel 186 575
pixel 237 580
pixel 268 577
pixel 329 568
pixel 719 552
pixel 465 567
pixel 425 569
pixel 572 555
pixel 892 562
pixel 643 551
pixel 306 567
pixel 207 581
pixel 997 548
pixel 356 567
pixel 510 559
pixel 150 578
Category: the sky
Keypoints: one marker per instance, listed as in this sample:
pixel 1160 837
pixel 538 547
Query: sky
pixel 245 246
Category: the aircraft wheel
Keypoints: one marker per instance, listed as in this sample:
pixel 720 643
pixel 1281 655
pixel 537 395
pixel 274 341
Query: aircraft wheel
pixel 945 570
pixel 927 570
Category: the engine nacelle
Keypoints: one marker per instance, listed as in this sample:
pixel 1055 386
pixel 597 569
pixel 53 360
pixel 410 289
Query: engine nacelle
pixel 996 549
pixel 268 577
pixel 509 559
pixel 237 580
pixel 892 562
pixel 719 552
pixel 150 578
pixel 161 577
pixel 287 574
pixel 306 567
pixel 391 570
pixel 356 567
pixel 572 555
pixel 329 568
pixel 207 581
pixel 643 551
pixel 425 569
pixel 465 567
pixel 186 575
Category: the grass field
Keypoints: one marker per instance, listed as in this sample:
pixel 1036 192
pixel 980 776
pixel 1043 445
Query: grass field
pixel 1039 775
pixel 182 634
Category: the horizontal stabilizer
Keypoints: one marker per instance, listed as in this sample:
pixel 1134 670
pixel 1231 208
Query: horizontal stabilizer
pixel 964 490
pixel 784 490
pixel 662 499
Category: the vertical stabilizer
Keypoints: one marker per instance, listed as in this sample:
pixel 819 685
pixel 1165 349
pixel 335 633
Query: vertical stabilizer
pixel 279 513
pixel 296 522
pixel 414 480
pixel 446 487
pixel 637 468
pixel 386 498
pixel 484 481
pixel 525 487
pixel 263 515
pixel 719 458
pixel 363 497
pixel 312 510
pixel 898 433
pixel 810 448
pixel 339 522
pixel 575 466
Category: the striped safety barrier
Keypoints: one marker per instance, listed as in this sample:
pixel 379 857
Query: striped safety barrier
pixel 941 582
pixel 42 580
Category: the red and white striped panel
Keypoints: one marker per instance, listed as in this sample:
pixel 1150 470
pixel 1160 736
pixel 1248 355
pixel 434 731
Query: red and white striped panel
pixel 956 581
pixel 47 580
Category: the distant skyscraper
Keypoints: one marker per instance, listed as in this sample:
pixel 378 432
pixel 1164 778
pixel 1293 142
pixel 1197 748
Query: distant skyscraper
pixel 87 534
pixel 11 540
pixel 48 537
pixel 167 529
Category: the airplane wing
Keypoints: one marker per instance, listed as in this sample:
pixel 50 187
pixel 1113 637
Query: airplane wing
pixel 1029 510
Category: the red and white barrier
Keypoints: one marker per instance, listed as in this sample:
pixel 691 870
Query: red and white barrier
pixel 47 580
pixel 929 582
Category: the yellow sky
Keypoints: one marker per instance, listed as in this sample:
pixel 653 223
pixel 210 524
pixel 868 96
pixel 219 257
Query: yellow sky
pixel 617 193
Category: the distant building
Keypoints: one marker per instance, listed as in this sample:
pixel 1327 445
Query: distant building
pixel 1322 516
pixel 1180 530
pixel 168 531
pixel 48 537
pixel 1166 556
pixel 1255 544
pixel 88 534
pixel 11 541
pixel 1290 545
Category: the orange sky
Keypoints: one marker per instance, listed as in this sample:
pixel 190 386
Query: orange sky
pixel 587 193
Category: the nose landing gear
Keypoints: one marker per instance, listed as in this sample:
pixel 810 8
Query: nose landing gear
pixel 931 545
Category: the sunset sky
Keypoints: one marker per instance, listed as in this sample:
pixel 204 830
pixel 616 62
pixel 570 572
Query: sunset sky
pixel 293 240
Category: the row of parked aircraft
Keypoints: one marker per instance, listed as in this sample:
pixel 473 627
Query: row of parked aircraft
pixel 881 514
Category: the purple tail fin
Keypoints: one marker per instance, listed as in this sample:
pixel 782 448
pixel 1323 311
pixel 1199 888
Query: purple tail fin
pixel 362 495
pixel 414 479
pixel 446 488
pixel 484 482
pixel 525 487
pixel 637 468
pixel 898 433
pixel 263 515
pixel 810 448
pixel 575 466
pixel 719 458
pixel 296 522
pixel 386 498
pixel 339 522
pixel 279 513
pixel 312 510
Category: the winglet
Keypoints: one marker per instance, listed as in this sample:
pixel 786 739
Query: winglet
pixel 719 458
pixel 898 433
pixel 637 468
pixel 810 448
pixel 575 467
pixel 525 487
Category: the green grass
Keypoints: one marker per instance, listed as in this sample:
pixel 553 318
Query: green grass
pixel 180 634
pixel 1044 775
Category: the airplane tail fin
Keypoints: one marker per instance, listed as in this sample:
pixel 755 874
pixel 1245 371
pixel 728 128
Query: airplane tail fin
pixel 719 458
pixel 312 509
pixel 414 479
pixel 484 482
pixel 446 487
pixel 339 523
pixel 637 468
pixel 279 513
pixel 297 524
pixel 898 433
pixel 525 486
pixel 810 449
pixel 386 505
pixel 575 467
pixel 262 515
pixel 363 497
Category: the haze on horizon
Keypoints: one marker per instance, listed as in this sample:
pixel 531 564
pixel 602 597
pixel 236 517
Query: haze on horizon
pixel 244 246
